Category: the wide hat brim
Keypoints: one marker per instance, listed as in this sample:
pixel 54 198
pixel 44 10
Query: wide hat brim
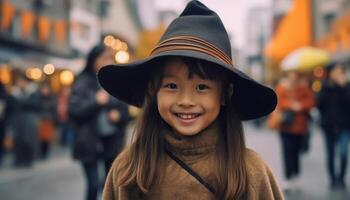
pixel 128 82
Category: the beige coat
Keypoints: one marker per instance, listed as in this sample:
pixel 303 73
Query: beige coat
pixel 177 184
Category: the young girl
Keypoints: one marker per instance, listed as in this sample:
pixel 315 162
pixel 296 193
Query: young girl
pixel 189 140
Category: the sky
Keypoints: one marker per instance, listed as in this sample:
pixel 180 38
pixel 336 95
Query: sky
pixel 233 13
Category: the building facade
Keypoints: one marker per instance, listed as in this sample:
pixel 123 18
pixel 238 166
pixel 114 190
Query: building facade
pixel 258 33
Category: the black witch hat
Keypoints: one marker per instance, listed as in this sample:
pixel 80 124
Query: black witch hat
pixel 197 33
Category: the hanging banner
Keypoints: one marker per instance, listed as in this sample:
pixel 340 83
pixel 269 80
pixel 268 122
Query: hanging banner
pixel 287 37
pixel 44 24
pixel 60 31
pixel 27 19
pixel 8 12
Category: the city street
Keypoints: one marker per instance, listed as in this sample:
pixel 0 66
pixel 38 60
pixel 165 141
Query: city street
pixel 63 62
pixel 60 178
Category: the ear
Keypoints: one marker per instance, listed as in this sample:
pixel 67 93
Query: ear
pixel 227 94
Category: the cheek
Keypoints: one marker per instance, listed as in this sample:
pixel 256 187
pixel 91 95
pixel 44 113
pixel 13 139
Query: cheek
pixel 214 105
pixel 163 103
pixel 213 101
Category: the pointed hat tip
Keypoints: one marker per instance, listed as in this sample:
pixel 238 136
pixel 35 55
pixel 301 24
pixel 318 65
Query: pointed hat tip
pixel 196 8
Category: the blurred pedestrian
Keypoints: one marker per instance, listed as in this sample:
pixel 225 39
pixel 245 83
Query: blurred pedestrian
pixel 295 101
pixel 47 114
pixel 307 137
pixel 6 107
pixel 25 121
pixel 189 141
pixel 66 130
pixel 98 120
pixel 334 105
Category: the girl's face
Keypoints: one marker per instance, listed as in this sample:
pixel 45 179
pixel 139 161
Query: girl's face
pixel 188 105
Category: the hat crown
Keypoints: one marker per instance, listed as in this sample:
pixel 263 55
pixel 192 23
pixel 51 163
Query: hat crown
pixel 199 21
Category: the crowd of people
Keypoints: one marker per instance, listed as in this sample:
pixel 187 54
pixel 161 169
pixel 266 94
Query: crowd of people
pixel 28 120
pixel 82 117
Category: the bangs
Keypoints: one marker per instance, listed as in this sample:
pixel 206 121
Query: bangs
pixel 204 69
pixel 201 68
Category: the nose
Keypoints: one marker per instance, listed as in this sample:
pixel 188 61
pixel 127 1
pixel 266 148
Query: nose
pixel 186 99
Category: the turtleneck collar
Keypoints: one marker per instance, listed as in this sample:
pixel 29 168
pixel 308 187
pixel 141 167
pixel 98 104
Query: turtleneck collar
pixel 196 146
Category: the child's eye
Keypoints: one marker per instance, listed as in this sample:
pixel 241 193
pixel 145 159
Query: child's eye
pixel 202 87
pixel 171 86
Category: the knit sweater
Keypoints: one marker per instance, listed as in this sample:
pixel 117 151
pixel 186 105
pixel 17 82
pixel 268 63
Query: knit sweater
pixel 198 152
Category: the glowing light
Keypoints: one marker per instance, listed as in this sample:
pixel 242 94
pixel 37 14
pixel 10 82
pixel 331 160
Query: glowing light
pixel 28 75
pixel 108 40
pixel 318 72
pixel 124 47
pixel 66 77
pixel 316 86
pixel 49 69
pixel 122 57
pixel 36 73
pixel 117 45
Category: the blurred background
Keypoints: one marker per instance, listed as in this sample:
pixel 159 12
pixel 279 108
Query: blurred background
pixel 43 48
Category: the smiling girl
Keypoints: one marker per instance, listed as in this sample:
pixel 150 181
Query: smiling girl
pixel 189 141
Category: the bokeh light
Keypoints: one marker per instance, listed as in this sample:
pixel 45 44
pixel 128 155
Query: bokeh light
pixel 49 69
pixel 316 86
pixel 66 77
pixel 124 46
pixel 318 72
pixel 117 45
pixel 122 57
pixel 36 73
pixel 108 40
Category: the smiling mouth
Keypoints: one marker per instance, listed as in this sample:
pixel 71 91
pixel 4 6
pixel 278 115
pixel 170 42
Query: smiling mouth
pixel 187 116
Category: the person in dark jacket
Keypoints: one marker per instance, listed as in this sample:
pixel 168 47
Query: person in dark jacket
pixel 47 120
pixel 25 121
pixel 334 105
pixel 98 120
pixel 6 107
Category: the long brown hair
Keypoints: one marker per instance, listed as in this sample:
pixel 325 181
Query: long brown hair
pixel 144 161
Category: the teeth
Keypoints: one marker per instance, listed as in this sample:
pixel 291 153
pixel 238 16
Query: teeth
pixel 187 116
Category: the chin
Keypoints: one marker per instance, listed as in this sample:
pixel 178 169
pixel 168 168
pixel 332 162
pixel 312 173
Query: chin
pixel 187 133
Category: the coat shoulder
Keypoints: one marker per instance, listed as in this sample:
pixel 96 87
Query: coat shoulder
pixel 262 182
pixel 253 160
pixel 257 169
